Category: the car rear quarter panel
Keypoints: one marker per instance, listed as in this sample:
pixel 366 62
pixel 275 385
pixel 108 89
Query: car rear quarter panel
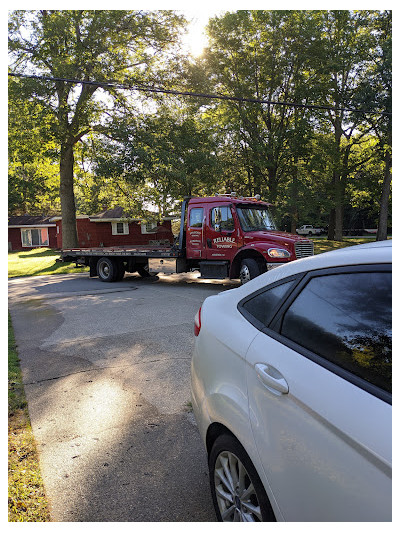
pixel 219 388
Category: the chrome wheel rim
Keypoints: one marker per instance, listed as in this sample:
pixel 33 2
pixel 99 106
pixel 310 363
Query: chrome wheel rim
pixel 244 274
pixel 236 496
pixel 104 269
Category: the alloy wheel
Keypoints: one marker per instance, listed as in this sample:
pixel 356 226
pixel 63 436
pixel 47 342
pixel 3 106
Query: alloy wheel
pixel 236 496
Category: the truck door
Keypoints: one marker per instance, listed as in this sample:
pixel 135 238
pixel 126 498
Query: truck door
pixel 221 241
pixel 195 233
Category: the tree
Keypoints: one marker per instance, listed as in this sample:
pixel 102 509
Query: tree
pixel 262 55
pixel 343 59
pixel 120 46
pixel 376 92
pixel 168 155
pixel 33 176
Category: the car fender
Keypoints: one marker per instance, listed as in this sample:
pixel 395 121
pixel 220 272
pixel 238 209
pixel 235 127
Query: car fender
pixel 236 421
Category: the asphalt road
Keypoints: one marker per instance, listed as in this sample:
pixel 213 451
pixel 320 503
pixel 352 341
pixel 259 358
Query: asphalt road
pixel 106 369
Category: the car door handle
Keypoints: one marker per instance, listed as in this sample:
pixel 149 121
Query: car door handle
pixel 209 243
pixel 271 378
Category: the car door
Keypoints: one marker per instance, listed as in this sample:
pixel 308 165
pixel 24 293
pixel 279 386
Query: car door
pixel 220 233
pixel 319 389
pixel 194 233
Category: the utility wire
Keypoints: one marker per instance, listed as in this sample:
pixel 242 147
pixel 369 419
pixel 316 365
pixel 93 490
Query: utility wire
pixel 144 88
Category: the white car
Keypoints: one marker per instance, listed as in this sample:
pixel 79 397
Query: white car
pixel 309 230
pixel 291 390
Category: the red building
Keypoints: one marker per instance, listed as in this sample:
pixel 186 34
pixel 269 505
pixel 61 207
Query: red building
pixel 112 228
pixel 27 232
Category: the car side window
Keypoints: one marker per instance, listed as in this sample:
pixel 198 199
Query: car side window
pixel 222 219
pixel 262 307
pixel 196 217
pixel 346 319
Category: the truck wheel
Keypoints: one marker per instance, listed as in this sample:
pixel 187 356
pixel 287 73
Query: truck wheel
pixel 107 269
pixel 249 269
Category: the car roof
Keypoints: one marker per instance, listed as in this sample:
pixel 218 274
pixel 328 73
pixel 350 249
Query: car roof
pixel 362 254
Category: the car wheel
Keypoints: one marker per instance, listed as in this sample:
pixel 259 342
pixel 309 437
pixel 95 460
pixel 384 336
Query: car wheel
pixel 106 269
pixel 237 492
pixel 249 269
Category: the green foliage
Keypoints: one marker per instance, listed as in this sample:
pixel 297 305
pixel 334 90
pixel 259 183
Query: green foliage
pixel 135 151
pixel 33 174
pixel 158 159
pixel 99 45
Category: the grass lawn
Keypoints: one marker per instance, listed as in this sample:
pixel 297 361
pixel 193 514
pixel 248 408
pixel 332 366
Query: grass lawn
pixel 39 262
pixel 323 245
pixel 26 497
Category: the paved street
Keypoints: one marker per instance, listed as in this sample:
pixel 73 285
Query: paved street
pixel 106 369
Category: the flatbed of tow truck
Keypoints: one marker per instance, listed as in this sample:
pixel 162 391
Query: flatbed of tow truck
pixel 136 250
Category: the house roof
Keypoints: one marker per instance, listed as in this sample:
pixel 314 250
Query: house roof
pixel 115 213
pixel 29 220
pixel 111 215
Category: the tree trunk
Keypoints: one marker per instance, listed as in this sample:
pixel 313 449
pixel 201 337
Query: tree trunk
pixel 272 185
pixel 384 204
pixel 68 210
pixel 294 211
pixel 339 219
pixel 331 227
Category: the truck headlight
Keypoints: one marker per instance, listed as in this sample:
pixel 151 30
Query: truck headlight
pixel 277 253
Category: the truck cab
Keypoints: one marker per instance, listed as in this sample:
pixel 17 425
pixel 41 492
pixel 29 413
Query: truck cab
pixel 236 237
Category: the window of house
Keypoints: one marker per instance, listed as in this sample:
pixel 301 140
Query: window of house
pixel 31 237
pixel 196 217
pixel 346 319
pixel 222 219
pixel 120 228
pixel 149 227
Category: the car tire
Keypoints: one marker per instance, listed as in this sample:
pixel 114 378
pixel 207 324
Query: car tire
pixel 249 269
pixel 237 492
pixel 107 269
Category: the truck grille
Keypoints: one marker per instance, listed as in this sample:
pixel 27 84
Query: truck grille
pixel 304 249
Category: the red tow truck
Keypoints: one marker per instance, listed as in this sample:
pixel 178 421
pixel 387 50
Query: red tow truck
pixel 223 236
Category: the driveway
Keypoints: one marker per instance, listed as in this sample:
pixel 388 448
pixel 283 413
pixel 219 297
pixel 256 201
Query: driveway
pixel 106 369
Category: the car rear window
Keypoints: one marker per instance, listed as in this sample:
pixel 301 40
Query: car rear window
pixel 347 319
pixel 264 305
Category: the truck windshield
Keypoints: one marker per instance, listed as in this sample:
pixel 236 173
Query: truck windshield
pixel 255 219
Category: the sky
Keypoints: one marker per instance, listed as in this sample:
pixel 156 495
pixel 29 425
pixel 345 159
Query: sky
pixel 195 40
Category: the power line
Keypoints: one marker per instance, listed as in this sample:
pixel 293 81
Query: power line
pixel 144 88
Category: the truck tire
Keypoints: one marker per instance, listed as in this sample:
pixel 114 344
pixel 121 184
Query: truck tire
pixel 249 269
pixel 107 269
